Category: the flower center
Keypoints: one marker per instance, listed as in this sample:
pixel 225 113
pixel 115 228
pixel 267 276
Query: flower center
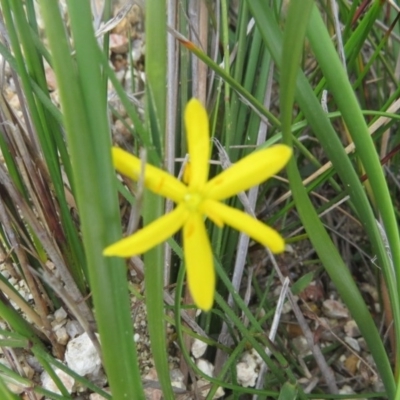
pixel 192 201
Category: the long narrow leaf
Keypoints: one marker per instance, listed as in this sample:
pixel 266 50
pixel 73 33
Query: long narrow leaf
pixel 80 87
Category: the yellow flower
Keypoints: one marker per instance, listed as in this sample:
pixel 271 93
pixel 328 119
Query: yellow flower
pixel 200 198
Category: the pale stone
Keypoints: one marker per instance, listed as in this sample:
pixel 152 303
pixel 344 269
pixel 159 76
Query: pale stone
pixel 49 384
pixel 334 309
pixel 246 373
pixel 202 382
pixel 351 328
pixel 62 336
pixel 81 356
pixel 73 328
pixel 207 368
pixel 96 396
pixel 198 348
pixel 60 315
pixel 353 343
pixel 346 389
pixel 12 385
pixel 247 369
pixel 177 378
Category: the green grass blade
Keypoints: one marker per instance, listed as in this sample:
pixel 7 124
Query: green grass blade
pixel 288 392
pixel 5 393
pixel 321 241
pixel 154 205
pixel 347 102
pixel 30 69
pixel 81 91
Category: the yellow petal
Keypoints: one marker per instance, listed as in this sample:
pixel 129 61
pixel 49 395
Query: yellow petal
pixel 199 262
pixel 198 139
pixel 155 179
pixel 249 171
pixel 150 236
pixel 210 213
pixel 247 224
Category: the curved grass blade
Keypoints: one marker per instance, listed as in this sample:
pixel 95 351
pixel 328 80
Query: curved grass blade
pixel 318 235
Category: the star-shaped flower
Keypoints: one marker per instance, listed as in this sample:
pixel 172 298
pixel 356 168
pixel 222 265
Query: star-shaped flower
pixel 200 198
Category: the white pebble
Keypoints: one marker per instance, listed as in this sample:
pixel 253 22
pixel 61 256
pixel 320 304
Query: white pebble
pixel 73 328
pixel 49 384
pixel 198 348
pixel 60 314
pixel 246 370
pixel 62 336
pixel 353 343
pixel 335 309
pixel 81 356
pixel 205 366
